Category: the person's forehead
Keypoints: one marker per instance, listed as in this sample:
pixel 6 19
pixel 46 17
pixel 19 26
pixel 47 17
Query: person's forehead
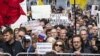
pixel 53 30
pixel 21 32
pixel 95 27
pixel 83 32
pixel 63 30
pixel 89 25
pixel 28 28
pixel 76 39
pixel 77 24
pixel 59 42
pixel 7 33
pixel 16 29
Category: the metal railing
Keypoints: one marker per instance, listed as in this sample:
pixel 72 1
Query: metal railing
pixel 3 54
pixel 60 54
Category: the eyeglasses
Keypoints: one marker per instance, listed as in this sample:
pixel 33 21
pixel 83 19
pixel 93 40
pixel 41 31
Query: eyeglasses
pixel 29 31
pixel 58 45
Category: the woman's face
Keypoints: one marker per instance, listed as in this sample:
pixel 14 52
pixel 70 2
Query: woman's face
pixel 58 46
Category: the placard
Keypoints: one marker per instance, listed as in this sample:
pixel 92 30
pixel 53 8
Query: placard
pixel 57 19
pixel 41 11
pixel 35 26
pixel 94 9
pixel 42 48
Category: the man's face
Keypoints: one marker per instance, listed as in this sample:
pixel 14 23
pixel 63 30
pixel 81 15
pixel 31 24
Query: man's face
pixel 95 30
pixel 54 33
pixel 63 34
pixel 77 43
pixel 84 35
pixel 27 44
pixel 21 33
pixel 8 37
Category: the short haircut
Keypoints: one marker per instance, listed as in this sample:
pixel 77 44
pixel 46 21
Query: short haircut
pixel 60 26
pixel 83 30
pixel 8 29
pixel 48 30
pixel 80 40
pixel 22 29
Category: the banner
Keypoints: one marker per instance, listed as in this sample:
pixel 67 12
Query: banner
pixel 22 19
pixel 82 3
pixel 41 11
pixel 76 1
pixel 24 7
pixel 40 2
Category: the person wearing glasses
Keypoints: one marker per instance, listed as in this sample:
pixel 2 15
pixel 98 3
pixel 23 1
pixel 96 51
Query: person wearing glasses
pixel 78 46
pixel 58 47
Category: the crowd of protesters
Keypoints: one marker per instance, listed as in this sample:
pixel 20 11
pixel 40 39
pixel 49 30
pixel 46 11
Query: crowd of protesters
pixel 63 38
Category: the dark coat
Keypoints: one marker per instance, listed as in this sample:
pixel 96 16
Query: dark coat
pixel 13 48
pixel 83 50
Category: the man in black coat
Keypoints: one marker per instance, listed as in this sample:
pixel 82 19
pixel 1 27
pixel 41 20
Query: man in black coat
pixel 78 46
pixel 10 45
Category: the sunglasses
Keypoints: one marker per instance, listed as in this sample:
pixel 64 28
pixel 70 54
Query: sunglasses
pixel 58 45
pixel 29 31
pixel 20 36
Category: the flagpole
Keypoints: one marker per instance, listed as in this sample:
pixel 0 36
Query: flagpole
pixel 75 16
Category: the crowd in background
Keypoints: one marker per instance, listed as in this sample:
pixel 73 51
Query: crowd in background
pixel 81 37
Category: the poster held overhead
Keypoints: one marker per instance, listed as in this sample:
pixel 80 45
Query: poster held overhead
pixel 41 11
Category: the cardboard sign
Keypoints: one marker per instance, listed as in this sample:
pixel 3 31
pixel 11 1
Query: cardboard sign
pixel 37 29
pixel 42 48
pixel 35 26
pixel 41 11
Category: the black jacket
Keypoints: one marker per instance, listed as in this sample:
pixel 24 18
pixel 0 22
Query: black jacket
pixel 13 49
pixel 83 50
